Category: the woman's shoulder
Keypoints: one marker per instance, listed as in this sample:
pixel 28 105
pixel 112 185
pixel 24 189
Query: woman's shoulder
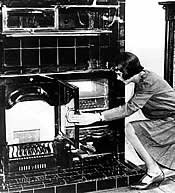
pixel 150 79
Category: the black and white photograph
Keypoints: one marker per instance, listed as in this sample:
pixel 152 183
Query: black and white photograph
pixel 87 96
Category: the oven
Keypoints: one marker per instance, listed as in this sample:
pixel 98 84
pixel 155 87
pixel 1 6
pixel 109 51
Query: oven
pixel 39 147
pixel 29 121
pixel 53 64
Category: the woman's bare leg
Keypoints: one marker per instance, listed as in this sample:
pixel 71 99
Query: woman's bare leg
pixel 152 167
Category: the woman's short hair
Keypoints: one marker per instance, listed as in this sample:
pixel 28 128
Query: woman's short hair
pixel 129 64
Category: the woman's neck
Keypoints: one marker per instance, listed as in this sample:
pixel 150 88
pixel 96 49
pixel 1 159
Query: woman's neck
pixel 136 78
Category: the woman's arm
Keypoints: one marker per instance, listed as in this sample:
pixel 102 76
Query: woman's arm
pixel 90 118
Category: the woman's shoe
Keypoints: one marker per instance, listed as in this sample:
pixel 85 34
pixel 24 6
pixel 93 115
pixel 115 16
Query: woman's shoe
pixel 154 181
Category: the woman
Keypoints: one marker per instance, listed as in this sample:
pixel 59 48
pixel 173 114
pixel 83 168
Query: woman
pixel 153 138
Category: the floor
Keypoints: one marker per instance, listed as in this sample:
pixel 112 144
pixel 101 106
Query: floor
pixel 168 186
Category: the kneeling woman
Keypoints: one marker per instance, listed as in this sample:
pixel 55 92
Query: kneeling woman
pixel 153 138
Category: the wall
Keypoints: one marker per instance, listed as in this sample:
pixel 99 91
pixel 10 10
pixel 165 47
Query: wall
pixel 145 32
pixel 145 35
pixel 145 26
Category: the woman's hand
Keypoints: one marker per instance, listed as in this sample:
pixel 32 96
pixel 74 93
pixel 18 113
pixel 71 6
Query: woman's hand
pixel 83 118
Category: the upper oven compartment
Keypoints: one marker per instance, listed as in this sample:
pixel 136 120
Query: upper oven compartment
pixel 28 19
pixel 58 19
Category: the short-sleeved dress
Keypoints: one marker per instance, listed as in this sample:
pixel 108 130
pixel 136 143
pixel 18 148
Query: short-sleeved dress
pixel 156 98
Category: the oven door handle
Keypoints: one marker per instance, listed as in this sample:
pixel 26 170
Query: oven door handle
pixel 25 94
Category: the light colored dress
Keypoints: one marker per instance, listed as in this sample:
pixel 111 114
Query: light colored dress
pixel 156 98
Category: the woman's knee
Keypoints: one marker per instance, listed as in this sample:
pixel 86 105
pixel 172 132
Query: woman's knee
pixel 129 130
